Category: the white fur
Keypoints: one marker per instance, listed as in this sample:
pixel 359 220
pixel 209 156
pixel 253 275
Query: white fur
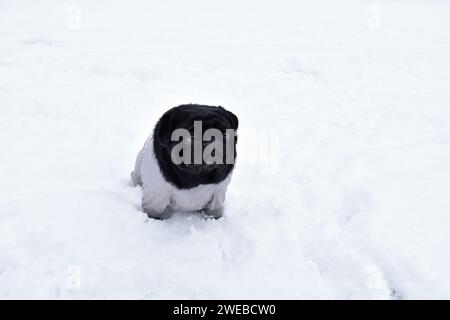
pixel 158 194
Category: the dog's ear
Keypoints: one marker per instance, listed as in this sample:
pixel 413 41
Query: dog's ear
pixel 163 129
pixel 231 117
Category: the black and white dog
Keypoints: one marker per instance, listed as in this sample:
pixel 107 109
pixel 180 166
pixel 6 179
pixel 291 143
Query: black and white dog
pixel 169 185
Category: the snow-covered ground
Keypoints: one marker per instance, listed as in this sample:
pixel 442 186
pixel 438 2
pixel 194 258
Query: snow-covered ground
pixel 342 187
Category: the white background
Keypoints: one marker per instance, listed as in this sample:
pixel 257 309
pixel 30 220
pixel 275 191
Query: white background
pixel 355 199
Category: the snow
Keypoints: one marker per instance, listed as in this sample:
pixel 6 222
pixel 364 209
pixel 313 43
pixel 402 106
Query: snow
pixel 343 175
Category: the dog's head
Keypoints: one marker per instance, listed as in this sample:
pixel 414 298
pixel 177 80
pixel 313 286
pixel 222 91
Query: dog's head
pixel 196 144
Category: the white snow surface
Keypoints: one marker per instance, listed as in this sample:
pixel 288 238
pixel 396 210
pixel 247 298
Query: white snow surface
pixel 351 97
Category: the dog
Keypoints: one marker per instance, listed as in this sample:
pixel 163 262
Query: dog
pixel 192 174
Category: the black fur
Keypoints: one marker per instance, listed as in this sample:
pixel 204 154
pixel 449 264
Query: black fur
pixel 183 116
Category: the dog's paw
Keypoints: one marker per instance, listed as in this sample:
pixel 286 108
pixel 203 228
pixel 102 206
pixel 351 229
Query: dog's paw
pixel 212 213
pixel 159 215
